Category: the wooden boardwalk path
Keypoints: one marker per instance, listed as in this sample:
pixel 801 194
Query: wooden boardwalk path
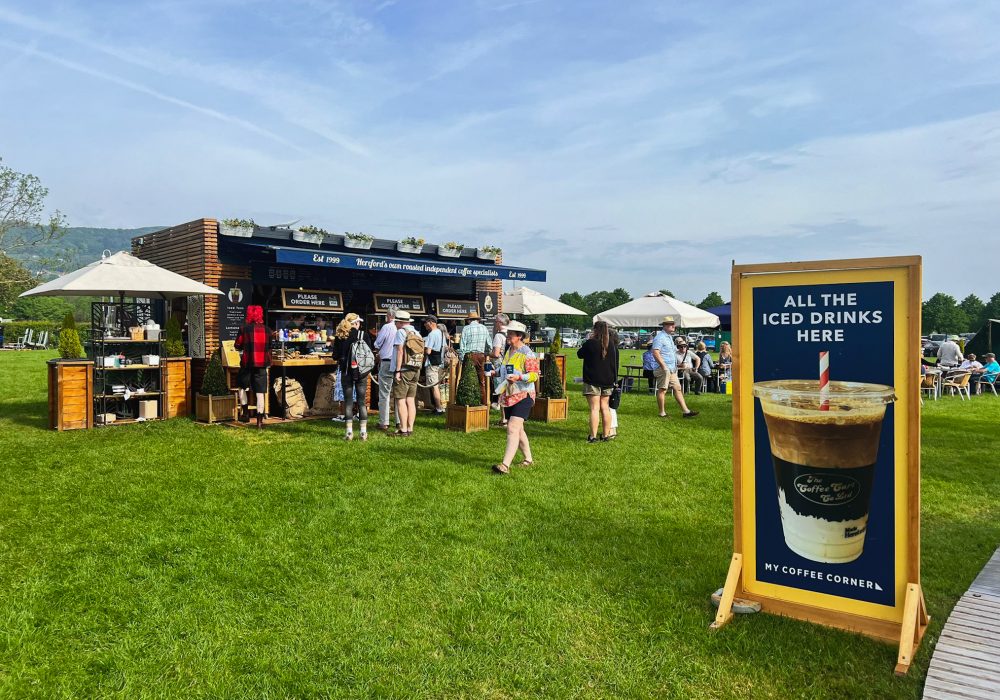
pixel 966 660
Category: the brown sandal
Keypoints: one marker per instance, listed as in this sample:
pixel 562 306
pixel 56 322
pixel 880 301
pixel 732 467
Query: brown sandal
pixel 526 463
pixel 501 468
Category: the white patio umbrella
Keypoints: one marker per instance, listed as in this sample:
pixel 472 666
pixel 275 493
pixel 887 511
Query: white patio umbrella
pixel 121 275
pixel 528 302
pixel 649 311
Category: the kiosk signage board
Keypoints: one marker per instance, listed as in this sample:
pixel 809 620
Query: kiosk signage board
pixel 456 308
pixel 489 306
pixel 826 442
pixel 413 303
pixel 233 306
pixel 312 300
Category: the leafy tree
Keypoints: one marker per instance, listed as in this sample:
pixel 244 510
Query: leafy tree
pixel 14 279
pixel 667 292
pixel 992 309
pixel 174 347
pixel 941 314
pixel 713 299
pixel 975 309
pixel 40 309
pixel 214 383
pixel 69 340
pixel 575 300
pixel 22 201
pixel 469 392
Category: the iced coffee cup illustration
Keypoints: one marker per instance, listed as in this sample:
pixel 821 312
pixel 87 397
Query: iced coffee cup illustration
pixel 824 443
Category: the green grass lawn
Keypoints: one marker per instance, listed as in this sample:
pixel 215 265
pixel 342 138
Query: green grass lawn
pixel 175 559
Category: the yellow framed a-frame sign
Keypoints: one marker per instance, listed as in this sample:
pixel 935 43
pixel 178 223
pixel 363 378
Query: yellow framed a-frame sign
pixel 826 446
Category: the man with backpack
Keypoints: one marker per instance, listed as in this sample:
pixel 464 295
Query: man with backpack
pixel 407 359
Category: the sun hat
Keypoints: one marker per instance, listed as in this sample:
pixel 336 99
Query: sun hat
pixel 402 315
pixel 517 327
pixel 473 314
pixel 668 320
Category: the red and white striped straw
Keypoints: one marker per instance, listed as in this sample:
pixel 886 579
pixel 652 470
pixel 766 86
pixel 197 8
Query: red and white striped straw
pixel 824 380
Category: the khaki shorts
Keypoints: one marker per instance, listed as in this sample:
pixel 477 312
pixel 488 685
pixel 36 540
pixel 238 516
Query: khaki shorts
pixel 406 386
pixel 665 379
pixel 433 375
pixel 591 390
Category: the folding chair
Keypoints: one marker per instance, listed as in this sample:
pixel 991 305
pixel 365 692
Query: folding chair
pixel 928 383
pixel 43 341
pixel 992 385
pixel 959 382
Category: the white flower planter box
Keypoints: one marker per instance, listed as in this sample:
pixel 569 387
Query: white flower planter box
pixel 304 237
pixel 449 252
pixel 486 255
pixel 237 231
pixel 357 243
pixel 405 248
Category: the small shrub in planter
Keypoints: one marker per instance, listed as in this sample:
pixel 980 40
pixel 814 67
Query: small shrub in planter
pixel 174 346
pixel 70 347
pixel 488 252
pixel 467 412
pixel 360 241
pixel 215 402
pixel 551 403
pixel 310 234
pixel 411 244
pixel 242 228
pixel 451 249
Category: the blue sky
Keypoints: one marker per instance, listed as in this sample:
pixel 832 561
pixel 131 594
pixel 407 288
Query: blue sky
pixel 638 144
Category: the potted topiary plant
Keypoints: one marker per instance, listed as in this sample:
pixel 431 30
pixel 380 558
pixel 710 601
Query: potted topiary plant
pixel 410 244
pixel 70 347
pixel 241 228
pixel 467 412
pixel 215 402
pixel 310 234
pixel 450 249
pixel 360 241
pixel 551 403
pixel 488 252
pixel 176 372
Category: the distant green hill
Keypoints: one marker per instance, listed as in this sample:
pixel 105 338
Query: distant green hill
pixel 77 248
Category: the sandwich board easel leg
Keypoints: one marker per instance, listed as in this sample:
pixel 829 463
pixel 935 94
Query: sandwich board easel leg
pixel 725 613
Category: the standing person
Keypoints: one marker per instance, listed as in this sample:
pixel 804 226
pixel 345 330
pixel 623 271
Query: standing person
pixel 434 351
pixel 518 374
pixel 406 372
pixel 949 354
pixel 355 364
pixel 384 346
pixel 255 342
pixel 665 374
pixel 600 372
pixel 476 341
pixel 496 353
pixel 649 365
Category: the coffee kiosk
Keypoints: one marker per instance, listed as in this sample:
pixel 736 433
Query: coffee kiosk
pixel 307 285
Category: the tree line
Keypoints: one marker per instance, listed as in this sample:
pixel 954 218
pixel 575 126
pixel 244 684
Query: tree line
pixel 942 313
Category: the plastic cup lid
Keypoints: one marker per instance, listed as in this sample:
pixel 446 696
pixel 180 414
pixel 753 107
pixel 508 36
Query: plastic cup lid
pixel 786 391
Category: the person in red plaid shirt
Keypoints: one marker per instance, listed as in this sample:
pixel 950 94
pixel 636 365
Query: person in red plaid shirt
pixel 255 342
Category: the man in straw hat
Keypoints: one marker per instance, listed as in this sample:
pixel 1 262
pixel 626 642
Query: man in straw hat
pixel 665 375
pixel 476 342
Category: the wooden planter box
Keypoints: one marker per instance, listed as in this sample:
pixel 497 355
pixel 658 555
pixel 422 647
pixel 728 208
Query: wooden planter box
pixel 215 409
pixel 550 410
pixel 468 419
pixel 176 386
pixel 71 394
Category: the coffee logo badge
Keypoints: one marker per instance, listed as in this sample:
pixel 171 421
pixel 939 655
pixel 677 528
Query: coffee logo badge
pixel 235 295
pixel 828 490
pixel 488 304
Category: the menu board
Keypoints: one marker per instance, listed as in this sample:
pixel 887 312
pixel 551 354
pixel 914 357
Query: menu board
pixel 413 303
pixel 489 303
pixel 312 300
pixel 456 308
pixel 233 306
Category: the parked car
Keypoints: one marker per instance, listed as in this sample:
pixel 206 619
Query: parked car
pixel 626 339
pixel 966 336
pixel 571 340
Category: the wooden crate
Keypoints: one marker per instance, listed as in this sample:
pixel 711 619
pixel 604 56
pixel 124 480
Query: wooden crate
pixel 176 386
pixel 468 419
pixel 71 394
pixel 550 410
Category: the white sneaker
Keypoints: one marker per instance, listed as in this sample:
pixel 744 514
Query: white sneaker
pixel 495 406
